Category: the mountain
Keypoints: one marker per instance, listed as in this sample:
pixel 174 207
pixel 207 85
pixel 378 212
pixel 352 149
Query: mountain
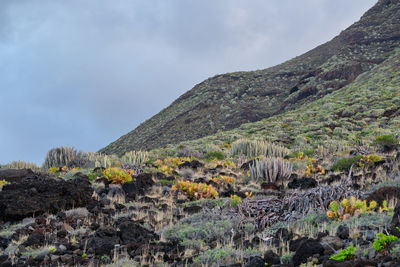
pixel 227 101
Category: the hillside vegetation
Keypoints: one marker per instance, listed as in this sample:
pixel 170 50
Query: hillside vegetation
pixel 296 165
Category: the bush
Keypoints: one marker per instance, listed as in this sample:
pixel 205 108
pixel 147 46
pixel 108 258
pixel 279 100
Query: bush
pixel 206 227
pixel 386 142
pixel 117 175
pixel 195 190
pixel 345 254
pixel 214 155
pixel 358 161
pixel 345 164
pixel 383 243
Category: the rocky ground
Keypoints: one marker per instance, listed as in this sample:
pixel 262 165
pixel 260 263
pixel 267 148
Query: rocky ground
pixel 77 217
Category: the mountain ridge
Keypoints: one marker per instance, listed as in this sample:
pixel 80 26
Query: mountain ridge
pixel 226 101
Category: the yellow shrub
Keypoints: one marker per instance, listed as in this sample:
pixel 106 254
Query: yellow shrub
pixel 221 179
pixel 3 183
pixel 195 190
pixel 117 175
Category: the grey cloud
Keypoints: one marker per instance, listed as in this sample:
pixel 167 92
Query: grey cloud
pixel 83 73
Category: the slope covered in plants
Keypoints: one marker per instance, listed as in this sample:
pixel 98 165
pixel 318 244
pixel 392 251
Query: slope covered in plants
pixel 352 116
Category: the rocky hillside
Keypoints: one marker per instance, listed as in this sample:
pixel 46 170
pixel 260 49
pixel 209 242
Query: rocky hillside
pixel 352 116
pixel 227 101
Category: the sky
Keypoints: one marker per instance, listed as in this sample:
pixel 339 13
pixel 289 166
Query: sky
pixel 82 73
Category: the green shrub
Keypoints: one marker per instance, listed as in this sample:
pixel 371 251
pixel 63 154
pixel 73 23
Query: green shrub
pixel 167 182
pixel 214 155
pixel 307 152
pixel 386 142
pixel 384 241
pixel 93 175
pixel 202 226
pixel 359 161
pixel 345 254
pixel 344 164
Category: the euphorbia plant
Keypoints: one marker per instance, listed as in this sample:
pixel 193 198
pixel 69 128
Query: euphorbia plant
pixel 118 175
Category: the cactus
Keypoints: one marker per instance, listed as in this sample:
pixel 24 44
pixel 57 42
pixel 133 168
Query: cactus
pixel 349 207
pixel 59 157
pixel 255 148
pixel 271 169
pixel 21 165
pixel 136 158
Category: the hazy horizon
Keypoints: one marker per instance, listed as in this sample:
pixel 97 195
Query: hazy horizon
pixel 83 74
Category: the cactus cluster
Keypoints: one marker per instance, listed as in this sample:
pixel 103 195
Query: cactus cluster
pixel 21 165
pixel 195 190
pixel 59 157
pixel 135 158
pixel 107 161
pixel 255 148
pixel 348 208
pixel 270 169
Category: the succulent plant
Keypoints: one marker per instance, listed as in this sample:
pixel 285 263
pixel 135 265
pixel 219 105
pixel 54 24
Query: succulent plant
pixel 349 207
pixel 117 175
pixel 271 169
pixel 195 190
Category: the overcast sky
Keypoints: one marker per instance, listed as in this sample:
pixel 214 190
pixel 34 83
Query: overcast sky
pixel 83 73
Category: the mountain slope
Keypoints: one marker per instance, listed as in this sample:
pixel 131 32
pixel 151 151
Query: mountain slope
pixel 353 115
pixel 227 101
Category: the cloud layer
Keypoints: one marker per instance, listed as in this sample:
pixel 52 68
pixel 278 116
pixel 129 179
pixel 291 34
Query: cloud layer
pixel 83 73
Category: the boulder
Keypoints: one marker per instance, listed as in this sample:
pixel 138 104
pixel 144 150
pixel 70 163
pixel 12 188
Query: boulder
pixel 307 249
pixel 38 193
pixel 134 235
pixel 138 186
pixel 271 258
pixel 103 241
pixel 302 183
pixel 194 164
pixel 14 175
pixel 331 244
pixel 343 232
pixel 255 262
